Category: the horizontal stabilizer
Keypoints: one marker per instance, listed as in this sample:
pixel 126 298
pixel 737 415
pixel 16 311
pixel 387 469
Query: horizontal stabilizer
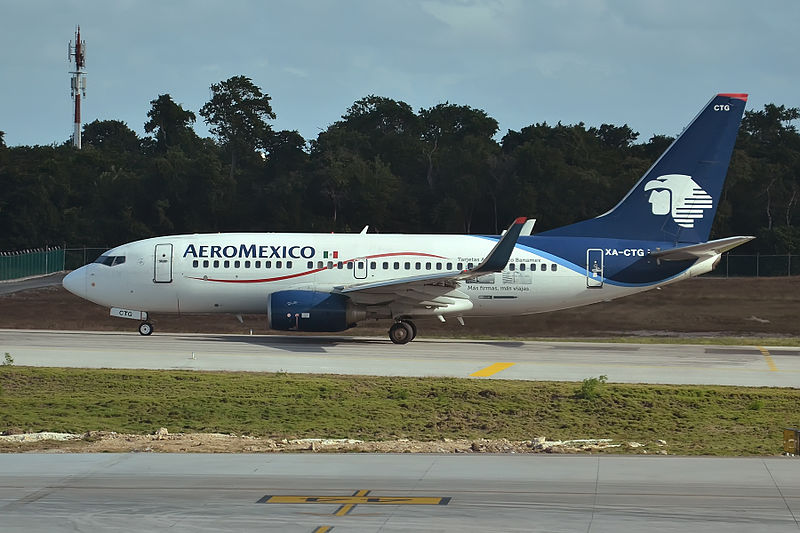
pixel 702 250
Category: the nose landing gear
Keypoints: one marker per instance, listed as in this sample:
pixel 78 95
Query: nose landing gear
pixel 402 332
pixel 145 328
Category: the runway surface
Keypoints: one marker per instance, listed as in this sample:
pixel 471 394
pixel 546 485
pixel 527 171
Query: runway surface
pixel 624 363
pixel 388 493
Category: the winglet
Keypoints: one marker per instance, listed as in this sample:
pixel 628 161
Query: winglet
pixel 500 254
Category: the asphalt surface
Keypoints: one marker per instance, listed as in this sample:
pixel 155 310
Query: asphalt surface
pixel 560 361
pixel 36 282
pixel 388 493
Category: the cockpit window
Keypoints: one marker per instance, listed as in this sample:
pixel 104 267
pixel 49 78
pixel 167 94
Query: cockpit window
pixel 110 260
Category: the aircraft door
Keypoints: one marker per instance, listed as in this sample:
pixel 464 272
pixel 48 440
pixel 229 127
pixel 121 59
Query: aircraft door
pixel 594 268
pixel 163 264
pixel 360 268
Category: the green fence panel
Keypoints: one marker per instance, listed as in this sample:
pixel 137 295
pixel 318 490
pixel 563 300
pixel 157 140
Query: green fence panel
pixel 23 264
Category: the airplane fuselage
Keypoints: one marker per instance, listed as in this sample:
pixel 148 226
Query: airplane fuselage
pixel 235 272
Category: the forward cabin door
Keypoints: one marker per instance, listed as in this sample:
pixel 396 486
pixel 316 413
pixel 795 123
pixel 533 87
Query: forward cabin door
pixel 594 268
pixel 163 264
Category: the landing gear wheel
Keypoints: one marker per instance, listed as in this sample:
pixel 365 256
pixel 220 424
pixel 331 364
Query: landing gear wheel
pixel 413 329
pixel 401 333
pixel 145 328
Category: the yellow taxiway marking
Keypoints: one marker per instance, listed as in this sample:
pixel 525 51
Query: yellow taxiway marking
pixel 346 508
pixel 491 370
pixel 358 500
pixel 322 529
pixel 768 358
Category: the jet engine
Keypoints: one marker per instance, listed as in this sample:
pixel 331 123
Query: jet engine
pixel 311 311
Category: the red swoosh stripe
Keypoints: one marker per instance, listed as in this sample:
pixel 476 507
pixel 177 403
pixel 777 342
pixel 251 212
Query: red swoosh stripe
pixel 314 271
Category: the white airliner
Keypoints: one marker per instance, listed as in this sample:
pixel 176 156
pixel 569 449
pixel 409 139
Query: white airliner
pixel 657 234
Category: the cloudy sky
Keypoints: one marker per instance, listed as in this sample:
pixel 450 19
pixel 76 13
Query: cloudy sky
pixel 649 63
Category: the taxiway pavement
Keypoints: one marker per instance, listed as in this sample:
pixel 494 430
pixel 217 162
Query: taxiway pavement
pixel 559 361
pixel 387 493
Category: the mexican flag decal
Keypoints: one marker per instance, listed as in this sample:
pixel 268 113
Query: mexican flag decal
pixel 331 255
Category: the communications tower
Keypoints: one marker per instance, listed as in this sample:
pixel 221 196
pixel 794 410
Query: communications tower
pixel 77 54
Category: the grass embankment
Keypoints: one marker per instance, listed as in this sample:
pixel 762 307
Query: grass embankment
pixel 693 420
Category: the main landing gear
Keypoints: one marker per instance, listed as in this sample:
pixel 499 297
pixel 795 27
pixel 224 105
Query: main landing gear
pixel 145 328
pixel 402 331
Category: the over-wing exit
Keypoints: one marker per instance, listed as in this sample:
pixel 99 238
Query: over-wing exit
pixel 657 234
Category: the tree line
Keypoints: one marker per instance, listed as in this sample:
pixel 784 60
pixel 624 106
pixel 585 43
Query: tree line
pixel 439 169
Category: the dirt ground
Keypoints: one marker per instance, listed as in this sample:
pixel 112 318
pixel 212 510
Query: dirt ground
pixel 164 442
pixel 696 307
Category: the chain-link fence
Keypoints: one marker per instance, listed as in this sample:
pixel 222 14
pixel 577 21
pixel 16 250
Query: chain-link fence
pixel 757 265
pixel 77 257
pixel 26 263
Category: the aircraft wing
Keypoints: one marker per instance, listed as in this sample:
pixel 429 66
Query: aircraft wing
pixel 702 250
pixel 434 291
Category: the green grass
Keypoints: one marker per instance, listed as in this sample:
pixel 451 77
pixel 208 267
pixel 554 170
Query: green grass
pixel 712 420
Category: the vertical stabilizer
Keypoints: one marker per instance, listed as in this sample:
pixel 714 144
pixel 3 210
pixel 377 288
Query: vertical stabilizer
pixel 677 197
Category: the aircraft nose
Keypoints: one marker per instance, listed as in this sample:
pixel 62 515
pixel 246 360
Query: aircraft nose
pixel 75 282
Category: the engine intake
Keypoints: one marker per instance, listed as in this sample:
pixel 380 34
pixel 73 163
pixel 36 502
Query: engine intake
pixel 311 311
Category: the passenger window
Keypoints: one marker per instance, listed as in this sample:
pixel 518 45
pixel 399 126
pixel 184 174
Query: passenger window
pixel 385 265
pixel 330 264
pixel 349 266
pixel 205 263
pixel 397 265
pixel 278 264
pixel 339 264
pixel 427 266
pixel 247 264
pixel 237 264
pixel 418 265
pixel 449 266
pixel 258 264
pixel 320 264
pixel 407 265
pixel 216 263
pixel 267 264
pixel 554 267
pixel 195 263
pixel 438 266
pixel 469 266
pixel 226 264
pixel 361 264
pixel 373 265
pixel 512 267
pixel 460 266
pixel 310 265
pixel 542 267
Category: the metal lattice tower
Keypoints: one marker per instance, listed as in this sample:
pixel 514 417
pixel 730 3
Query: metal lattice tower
pixel 77 54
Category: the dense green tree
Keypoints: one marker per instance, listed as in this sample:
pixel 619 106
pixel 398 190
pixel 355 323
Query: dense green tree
pixel 171 123
pixel 439 169
pixel 110 135
pixel 237 115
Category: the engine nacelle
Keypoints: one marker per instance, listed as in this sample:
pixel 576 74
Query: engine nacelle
pixel 311 311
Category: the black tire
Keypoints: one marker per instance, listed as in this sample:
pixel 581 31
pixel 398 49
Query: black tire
pixel 413 329
pixel 401 333
pixel 145 328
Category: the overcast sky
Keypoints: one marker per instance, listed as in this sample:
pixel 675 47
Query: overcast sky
pixel 649 63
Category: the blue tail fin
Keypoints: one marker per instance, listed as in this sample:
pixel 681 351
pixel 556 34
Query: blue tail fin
pixel 677 197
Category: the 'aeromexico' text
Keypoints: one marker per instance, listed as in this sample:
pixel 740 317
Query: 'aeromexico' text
pixel 250 250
